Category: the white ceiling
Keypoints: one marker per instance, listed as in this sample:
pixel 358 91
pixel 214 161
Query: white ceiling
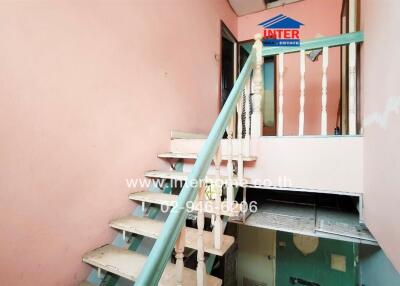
pixel 244 7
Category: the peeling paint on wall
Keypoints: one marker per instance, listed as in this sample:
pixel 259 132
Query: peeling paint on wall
pixel 382 118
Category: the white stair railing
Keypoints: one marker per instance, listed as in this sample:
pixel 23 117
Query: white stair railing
pixel 239 110
pixel 229 166
pixel 352 89
pixel 352 76
pixel 258 89
pixel 302 91
pixel 201 267
pixel 247 105
pixel 179 248
pixel 248 121
pixel 249 124
pixel 217 230
pixel 324 44
pixel 171 235
pixel 324 100
pixel 280 94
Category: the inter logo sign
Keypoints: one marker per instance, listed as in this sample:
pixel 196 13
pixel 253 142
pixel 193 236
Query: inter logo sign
pixel 281 31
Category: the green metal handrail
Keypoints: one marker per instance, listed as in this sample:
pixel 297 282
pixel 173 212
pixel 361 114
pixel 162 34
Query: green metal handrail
pixel 162 249
pixel 318 43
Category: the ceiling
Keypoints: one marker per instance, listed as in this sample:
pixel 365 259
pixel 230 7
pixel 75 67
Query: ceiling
pixel 245 7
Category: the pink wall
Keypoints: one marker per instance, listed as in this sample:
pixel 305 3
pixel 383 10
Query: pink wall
pixel 381 104
pixel 318 17
pixel 89 92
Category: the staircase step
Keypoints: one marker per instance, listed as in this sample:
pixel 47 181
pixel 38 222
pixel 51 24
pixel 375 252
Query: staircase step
pixel 176 134
pixel 164 199
pixel 169 200
pixel 128 264
pixel 176 155
pixel 182 176
pixel 85 283
pixel 152 228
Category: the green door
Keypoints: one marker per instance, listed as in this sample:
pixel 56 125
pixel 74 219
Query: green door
pixel 333 263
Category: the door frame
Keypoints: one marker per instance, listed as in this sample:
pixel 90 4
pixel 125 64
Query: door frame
pixel 224 31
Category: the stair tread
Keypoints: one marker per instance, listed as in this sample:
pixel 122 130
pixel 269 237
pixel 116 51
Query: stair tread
pixel 154 198
pixel 169 200
pixel 128 264
pixel 85 283
pixel 183 155
pixel 182 176
pixel 152 228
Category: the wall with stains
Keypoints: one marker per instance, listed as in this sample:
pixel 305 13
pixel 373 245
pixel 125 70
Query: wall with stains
pixel 381 113
pixel 88 95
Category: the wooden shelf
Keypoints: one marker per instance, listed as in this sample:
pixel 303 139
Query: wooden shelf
pixel 152 228
pixel 129 264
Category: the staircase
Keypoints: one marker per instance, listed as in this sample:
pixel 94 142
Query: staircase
pixel 128 264
pixel 202 192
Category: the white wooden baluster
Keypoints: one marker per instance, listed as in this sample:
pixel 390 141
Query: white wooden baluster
pixel 352 69
pixel 258 89
pixel 247 119
pixel 352 89
pixel 179 248
pixel 217 230
pixel 201 268
pixel 302 88
pixel 239 108
pixel 280 92
pixel 324 117
pixel 244 203
pixel 229 186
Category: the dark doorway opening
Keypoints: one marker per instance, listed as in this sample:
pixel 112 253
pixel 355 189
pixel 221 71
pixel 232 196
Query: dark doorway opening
pixel 228 63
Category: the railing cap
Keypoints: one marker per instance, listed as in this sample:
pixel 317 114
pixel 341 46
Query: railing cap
pixel 318 43
pixel 258 37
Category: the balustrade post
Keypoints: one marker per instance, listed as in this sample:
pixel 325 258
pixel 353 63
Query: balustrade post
pixel 179 248
pixel 217 230
pixel 247 118
pixel 302 88
pixel 201 268
pixel 352 89
pixel 280 97
pixel 352 69
pixel 258 89
pixel 229 166
pixel 239 109
pixel 324 116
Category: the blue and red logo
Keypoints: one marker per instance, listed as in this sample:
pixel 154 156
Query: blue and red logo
pixel 281 31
